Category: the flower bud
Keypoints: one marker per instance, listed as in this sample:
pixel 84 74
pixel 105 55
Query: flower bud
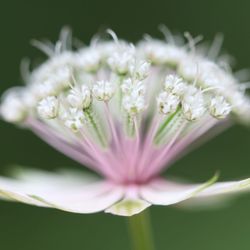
pixel 80 99
pixel 167 102
pixel 75 119
pixel 12 108
pixel 48 107
pixel 103 90
pixel 193 106
pixel 219 107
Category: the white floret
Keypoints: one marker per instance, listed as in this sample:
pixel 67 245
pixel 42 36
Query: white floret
pixel 167 103
pixel 121 59
pixel 103 90
pixel 219 107
pixel 129 86
pixel 75 119
pixel 48 107
pixel 139 69
pixel 133 104
pixel 80 98
pixel 12 108
pixel 88 60
pixel 174 84
pixel 193 104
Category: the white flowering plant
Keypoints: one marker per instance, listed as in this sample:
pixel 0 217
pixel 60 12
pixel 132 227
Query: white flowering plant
pixel 127 112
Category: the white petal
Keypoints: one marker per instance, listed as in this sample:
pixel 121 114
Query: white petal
pixel 128 207
pixel 222 188
pixel 216 196
pixel 163 192
pixel 66 191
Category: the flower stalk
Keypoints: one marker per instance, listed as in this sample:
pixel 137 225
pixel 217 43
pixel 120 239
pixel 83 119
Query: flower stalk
pixel 140 231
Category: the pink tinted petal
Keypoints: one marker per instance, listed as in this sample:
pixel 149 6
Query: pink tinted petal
pixel 65 192
pixel 161 192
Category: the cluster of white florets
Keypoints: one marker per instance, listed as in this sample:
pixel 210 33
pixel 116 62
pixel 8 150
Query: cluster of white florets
pixel 68 85
pixel 193 101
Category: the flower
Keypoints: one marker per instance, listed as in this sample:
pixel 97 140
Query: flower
pixel 126 112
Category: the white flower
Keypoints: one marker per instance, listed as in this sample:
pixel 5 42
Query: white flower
pixel 135 86
pixel 121 59
pixel 75 119
pixel 133 103
pixel 174 84
pixel 80 99
pixel 125 141
pixel 159 52
pixel 167 102
pixel 193 105
pixel 88 59
pixel 103 90
pixel 12 108
pixel 155 51
pixel 139 69
pixel 58 70
pixel 48 107
pixel 219 107
pixel 47 88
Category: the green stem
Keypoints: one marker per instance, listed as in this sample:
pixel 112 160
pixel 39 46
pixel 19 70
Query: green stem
pixel 140 231
pixel 91 119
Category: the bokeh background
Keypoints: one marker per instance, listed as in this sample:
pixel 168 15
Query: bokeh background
pixel 31 228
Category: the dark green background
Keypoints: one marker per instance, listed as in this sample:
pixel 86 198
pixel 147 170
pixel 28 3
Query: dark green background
pixel 31 228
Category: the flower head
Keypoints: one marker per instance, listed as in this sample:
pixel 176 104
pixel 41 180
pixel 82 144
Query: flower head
pixel 126 112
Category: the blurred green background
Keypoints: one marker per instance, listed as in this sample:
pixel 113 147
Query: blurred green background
pixel 31 228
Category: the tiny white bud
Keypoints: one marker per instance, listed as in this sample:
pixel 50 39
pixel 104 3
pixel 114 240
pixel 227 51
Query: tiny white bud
pixel 193 106
pixel 88 59
pixel 175 85
pixel 121 59
pixel 140 70
pixel 47 88
pixel 219 107
pixel 80 99
pixel 75 119
pixel 174 55
pixel 167 103
pixel 12 108
pixel 133 104
pixel 48 107
pixel 103 90
pixel 61 77
pixel 135 86
pixel 189 68
pixel 155 51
